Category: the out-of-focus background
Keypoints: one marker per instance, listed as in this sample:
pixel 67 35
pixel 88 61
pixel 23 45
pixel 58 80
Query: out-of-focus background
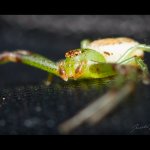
pixel 29 108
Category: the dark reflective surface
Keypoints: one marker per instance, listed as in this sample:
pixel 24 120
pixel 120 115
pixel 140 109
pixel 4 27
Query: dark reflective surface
pixel 37 109
pixel 29 107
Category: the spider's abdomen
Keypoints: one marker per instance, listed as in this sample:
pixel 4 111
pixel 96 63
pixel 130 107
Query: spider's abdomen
pixel 113 48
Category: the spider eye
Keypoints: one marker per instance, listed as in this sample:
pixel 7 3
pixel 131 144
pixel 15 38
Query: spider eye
pixel 73 53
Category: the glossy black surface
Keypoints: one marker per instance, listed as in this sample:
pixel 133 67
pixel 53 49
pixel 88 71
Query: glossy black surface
pixel 29 107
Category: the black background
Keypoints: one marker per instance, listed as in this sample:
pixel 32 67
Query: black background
pixel 31 108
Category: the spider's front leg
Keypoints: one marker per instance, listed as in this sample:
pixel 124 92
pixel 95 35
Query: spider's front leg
pixel 32 59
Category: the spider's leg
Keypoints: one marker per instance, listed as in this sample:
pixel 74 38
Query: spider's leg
pixel 144 68
pixel 141 65
pixel 29 58
pixel 124 84
pixel 144 47
pixel 124 60
pixel 96 111
pixel 85 43
pixel 127 54
pixel 49 79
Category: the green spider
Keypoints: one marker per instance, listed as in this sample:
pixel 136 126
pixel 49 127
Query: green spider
pixel 95 59
pixel 120 57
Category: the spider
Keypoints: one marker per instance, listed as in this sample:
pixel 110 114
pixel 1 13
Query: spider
pixel 121 58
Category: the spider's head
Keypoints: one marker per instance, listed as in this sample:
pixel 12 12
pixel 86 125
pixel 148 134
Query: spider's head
pixel 77 63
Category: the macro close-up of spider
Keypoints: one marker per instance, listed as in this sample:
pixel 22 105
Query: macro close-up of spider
pixel 115 65
pixel 121 57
